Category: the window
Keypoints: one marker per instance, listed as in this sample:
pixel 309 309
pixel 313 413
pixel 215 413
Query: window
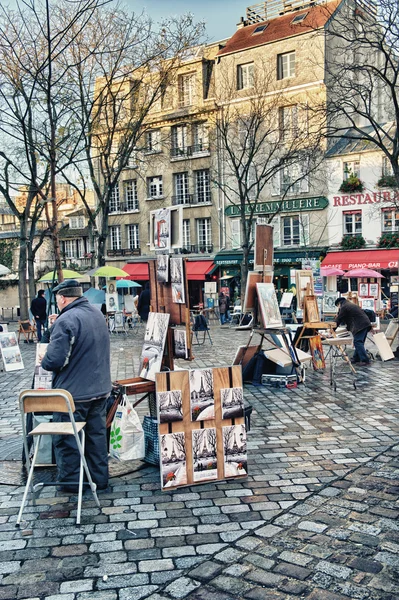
pixel 114 201
pixel 204 237
pixel 132 160
pixel 153 141
pixel 259 29
pixel 246 134
pixel 245 76
pixel 236 233
pixel 69 249
pixel 115 237
pixel 130 194
pixel 285 65
pixel 77 222
pixel 299 18
pixel 390 220
pixel 202 186
pixel 186 234
pixel 155 187
pixel 293 179
pixel 386 167
pixel 200 137
pixel 187 89
pixel 181 188
pixel 351 168
pixel 295 230
pixel 179 140
pixel 133 236
pixel 81 247
pixel 352 222
pixel 288 122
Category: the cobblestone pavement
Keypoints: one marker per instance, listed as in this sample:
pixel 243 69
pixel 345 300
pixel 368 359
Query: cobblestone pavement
pixel 316 519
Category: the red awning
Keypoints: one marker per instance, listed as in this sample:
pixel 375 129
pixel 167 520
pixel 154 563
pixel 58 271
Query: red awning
pixel 137 271
pixel 369 259
pixel 196 270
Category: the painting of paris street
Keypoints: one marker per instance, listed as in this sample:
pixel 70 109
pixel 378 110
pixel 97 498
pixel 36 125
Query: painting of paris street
pixel 202 398
pixel 204 454
pixel 232 402
pixel 162 229
pixel 153 345
pixel 176 278
pixel 163 268
pixel 235 450
pixel 180 339
pixel 173 460
pixel 170 406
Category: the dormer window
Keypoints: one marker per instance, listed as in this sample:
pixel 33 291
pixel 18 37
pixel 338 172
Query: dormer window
pixel 76 222
pixel 299 19
pixel 259 29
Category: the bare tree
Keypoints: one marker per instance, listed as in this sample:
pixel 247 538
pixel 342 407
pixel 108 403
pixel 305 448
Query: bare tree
pixel 362 64
pixel 258 141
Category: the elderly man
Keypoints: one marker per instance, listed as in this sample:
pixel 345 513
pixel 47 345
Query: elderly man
pixel 79 356
pixel 359 324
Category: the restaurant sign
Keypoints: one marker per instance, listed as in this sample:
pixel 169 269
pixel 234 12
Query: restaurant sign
pixel 277 206
pixel 369 198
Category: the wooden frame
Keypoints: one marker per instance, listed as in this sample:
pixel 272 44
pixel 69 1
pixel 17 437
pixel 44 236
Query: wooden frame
pixel 263 247
pixel 304 286
pixel 173 476
pixel 311 310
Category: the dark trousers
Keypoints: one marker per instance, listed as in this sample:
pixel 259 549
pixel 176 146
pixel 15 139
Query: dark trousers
pixel 66 451
pixel 39 324
pixel 358 341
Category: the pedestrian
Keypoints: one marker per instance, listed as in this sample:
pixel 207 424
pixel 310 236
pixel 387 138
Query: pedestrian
pixel 359 324
pixel 143 305
pixel 228 317
pixel 79 356
pixel 222 308
pixel 38 309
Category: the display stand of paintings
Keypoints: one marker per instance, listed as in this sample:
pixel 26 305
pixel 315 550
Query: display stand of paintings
pixel 10 351
pixel 201 426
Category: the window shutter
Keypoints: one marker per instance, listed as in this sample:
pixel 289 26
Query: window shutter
pixel 304 230
pixel 235 233
pixel 276 232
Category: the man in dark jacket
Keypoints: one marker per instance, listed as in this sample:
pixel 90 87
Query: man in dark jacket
pixel 358 323
pixel 38 309
pixel 143 306
pixel 79 356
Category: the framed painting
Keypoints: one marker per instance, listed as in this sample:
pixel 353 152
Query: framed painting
pixel 177 280
pixel 111 302
pixel 202 396
pixel 205 464
pixel 235 450
pixel 250 290
pixel 374 290
pixel 367 303
pixel 153 345
pixel 311 309
pixel 163 268
pixel 173 460
pixel 268 304
pixel 316 350
pixel 170 406
pixel 329 299
pixel 304 286
pixel 10 352
pixel 364 290
pixel 180 341
pixel 286 300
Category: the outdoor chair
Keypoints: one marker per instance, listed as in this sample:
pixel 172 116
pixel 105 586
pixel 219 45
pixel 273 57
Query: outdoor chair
pixel 28 330
pixel 31 401
pixel 200 325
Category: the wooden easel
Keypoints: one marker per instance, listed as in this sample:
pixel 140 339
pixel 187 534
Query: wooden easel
pixel 314 326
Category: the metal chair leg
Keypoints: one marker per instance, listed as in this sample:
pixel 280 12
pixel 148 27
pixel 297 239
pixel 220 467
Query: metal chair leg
pixel 86 468
pixel 80 493
pixel 29 483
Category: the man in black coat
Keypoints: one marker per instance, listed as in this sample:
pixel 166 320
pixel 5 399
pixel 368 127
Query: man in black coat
pixel 38 309
pixel 358 323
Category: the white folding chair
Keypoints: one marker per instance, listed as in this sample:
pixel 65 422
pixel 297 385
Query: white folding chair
pixel 52 401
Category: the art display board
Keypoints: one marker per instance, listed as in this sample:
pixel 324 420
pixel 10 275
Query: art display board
pixel 111 286
pixel 10 351
pixel 42 380
pixel 195 450
pixel 311 309
pixel 162 229
pixel 210 287
pixel 286 300
pixel 329 299
pixel 304 286
pixel 316 350
pixel 384 348
pixel 263 246
pixel 154 345
pixel 268 304
pixel 177 280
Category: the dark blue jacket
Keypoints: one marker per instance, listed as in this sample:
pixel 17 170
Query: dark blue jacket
pixel 38 308
pixel 79 352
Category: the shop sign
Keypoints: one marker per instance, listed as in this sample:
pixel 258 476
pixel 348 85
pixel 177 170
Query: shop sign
pixel 276 206
pixel 392 264
pixel 371 198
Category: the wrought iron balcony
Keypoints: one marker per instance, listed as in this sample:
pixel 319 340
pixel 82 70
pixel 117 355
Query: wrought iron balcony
pixel 182 199
pixel 124 207
pixel 189 151
pixel 191 199
pixel 124 252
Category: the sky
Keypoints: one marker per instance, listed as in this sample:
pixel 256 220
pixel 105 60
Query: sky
pixel 220 16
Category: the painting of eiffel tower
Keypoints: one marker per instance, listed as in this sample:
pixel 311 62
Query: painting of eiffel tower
pixel 235 450
pixel 202 394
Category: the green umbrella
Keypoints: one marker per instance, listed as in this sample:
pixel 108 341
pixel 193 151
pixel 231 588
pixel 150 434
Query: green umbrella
pixel 106 271
pixel 67 273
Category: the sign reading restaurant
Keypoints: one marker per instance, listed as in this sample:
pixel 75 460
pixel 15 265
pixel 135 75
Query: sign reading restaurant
pixel 371 198
pixel 275 206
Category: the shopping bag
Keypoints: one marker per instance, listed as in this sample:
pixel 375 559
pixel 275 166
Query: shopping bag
pixel 150 426
pixel 127 435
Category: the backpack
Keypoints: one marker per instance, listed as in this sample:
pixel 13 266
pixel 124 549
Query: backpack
pixel 200 323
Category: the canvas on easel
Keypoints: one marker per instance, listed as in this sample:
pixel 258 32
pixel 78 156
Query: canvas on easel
pixel 10 352
pixel 311 309
pixel 250 291
pixel 263 247
pixel 304 286
pixel 268 304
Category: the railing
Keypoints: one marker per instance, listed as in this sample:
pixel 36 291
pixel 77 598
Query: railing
pixel 197 249
pixel 182 199
pixel 191 199
pixel 196 149
pixel 125 252
pixel 124 207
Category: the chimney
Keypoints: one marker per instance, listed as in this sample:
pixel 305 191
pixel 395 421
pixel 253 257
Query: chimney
pixel 241 24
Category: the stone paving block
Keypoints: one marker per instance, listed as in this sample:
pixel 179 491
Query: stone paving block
pixel 180 588
pixel 83 585
pixel 294 571
pixel 263 577
pixel 163 577
pixel 206 570
pixel 232 585
pixel 268 531
pixel 104 595
pixel 136 593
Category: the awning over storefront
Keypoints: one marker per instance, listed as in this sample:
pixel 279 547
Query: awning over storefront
pixel 369 259
pixel 137 271
pixel 197 269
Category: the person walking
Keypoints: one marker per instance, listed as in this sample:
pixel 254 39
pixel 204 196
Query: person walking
pixel 358 323
pixel 222 308
pixel 38 309
pixel 143 305
pixel 79 357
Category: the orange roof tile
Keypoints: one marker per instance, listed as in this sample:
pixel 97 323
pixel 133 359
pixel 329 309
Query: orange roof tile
pixel 280 28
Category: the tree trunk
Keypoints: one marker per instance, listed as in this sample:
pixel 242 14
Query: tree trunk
pixel 31 273
pixel 22 289
pixel 244 271
pixel 101 250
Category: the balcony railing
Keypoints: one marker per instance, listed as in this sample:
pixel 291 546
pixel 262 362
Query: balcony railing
pixel 191 199
pixel 197 249
pixel 124 207
pixel 125 252
pixel 194 150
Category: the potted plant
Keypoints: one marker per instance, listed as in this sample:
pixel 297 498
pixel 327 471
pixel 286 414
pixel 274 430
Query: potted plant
pixel 389 240
pixel 387 181
pixel 353 242
pixel 351 185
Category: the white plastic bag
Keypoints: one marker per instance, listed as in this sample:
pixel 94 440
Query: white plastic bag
pixel 127 435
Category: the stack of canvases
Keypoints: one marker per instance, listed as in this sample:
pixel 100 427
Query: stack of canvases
pixel 201 426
